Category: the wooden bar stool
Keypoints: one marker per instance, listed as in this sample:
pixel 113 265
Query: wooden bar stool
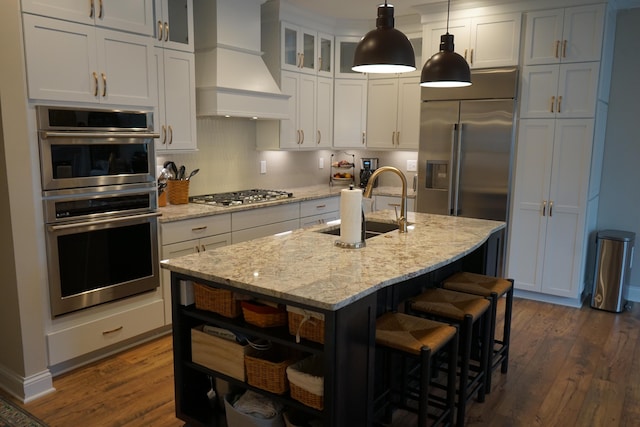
pixel 493 288
pixel 420 340
pixel 466 311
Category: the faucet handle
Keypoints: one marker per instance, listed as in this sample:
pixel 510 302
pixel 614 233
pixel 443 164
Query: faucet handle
pixel 395 208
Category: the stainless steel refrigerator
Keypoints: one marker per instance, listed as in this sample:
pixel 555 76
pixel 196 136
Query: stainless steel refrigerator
pixel 466 140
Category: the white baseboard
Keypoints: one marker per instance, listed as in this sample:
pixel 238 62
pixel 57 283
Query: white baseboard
pixel 569 302
pixel 634 293
pixel 28 388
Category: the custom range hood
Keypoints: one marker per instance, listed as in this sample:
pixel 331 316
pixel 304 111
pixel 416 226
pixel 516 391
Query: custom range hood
pixel 231 76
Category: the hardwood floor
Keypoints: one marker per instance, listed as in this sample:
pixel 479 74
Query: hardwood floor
pixel 568 367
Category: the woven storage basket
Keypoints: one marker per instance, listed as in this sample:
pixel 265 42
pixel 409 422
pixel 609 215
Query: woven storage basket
pixel 306 324
pixel 267 369
pixel 306 381
pixel 262 315
pixel 178 191
pixel 217 300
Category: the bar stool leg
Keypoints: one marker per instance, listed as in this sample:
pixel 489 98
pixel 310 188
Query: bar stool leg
pixel 506 339
pixel 451 377
pixel 425 376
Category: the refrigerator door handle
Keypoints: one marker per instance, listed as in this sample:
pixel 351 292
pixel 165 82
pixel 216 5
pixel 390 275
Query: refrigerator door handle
pixel 456 188
pixel 452 159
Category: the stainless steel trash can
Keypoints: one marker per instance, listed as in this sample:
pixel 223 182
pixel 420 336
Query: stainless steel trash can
pixel 613 267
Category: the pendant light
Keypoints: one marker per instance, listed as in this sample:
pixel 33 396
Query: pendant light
pixel 446 68
pixel 385 49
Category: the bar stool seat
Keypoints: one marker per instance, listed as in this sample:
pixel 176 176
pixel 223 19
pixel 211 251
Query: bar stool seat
pixel 493 288
pixel 422 340
pixel 466 311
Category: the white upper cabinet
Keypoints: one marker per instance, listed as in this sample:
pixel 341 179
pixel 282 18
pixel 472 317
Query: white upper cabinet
pixel 393 113
pixel 564 35
pixel 306 50
pixel 350 113
pixel 484 41
pixel 173 26
pixel 559 91
pixel 73 62
pixel 134 16
pixel 176 109
pixel 345 51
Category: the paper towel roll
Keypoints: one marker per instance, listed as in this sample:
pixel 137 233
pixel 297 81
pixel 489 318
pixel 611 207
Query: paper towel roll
pixel 350 216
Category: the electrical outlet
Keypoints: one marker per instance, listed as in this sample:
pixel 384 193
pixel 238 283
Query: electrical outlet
pixel 263 166
pixel 320 163
pixel 412 165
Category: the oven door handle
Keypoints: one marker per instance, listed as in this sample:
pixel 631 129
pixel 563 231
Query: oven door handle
pixel 102 221
pixel 141 135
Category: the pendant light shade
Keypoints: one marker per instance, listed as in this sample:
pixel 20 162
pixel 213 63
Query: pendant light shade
pixel 385 49
pixel 446 68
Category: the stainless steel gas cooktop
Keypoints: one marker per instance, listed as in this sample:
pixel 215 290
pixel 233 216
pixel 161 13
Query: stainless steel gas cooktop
pixel 240 197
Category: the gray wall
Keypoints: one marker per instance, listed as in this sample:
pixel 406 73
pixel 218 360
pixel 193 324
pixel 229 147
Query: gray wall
pixel 620 192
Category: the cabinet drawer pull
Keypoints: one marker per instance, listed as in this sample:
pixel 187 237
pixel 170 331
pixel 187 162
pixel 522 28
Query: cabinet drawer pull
pixel 557 48
pixel 553 101
pixel 196 229
pixel 564 49
pixel 104 85
pixel 95 83
pixel 560 104
pixel 321 206
pixel 119 328
pixel 159 30
pixel 544 208
pixel 92 8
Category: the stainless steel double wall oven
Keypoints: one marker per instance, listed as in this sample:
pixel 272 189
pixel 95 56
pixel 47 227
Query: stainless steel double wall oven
pixel 100 204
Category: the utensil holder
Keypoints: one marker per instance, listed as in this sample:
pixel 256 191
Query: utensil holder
pixel 178 191
pixel 162 198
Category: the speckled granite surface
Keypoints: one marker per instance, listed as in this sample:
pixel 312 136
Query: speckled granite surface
pixel 191 210
pixel 305 266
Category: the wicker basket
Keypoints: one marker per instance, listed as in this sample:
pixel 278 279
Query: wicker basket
pixel 267 369
pixel 178 191
pixel 262 315
pixel 306 381
pixel 306 324
pixel 217 300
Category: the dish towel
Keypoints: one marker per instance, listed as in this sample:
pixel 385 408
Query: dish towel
pixel 257 405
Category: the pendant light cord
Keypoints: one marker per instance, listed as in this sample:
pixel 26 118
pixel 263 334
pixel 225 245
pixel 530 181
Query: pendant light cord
pixel 448 7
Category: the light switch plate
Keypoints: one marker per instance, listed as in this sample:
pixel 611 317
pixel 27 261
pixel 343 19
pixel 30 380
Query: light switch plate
pixel 412 165
pixel 263 166
pixel 320 163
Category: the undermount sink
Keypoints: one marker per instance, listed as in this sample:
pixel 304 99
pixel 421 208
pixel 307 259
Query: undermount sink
pixel 373 228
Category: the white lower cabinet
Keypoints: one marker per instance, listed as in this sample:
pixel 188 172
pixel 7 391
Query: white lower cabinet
pixel 95 332
pixel 189 236
pixel 256 223
pixel 320 211
pixel 548 224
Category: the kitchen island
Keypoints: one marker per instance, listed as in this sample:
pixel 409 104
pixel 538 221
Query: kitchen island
pixel 350 287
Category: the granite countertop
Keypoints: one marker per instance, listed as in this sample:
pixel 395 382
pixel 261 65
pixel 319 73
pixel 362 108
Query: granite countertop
pixel 172 213
pixel 305 266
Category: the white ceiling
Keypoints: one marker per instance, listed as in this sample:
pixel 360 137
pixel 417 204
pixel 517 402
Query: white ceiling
pixel 359 9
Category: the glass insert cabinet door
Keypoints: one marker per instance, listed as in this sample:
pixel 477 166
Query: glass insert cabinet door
pixel 325 54
pixel 299 49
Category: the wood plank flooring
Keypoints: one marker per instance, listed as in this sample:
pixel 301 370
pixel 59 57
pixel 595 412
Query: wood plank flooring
pixel 568 367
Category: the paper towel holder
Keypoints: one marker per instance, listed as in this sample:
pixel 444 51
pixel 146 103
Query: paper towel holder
pixel 363 234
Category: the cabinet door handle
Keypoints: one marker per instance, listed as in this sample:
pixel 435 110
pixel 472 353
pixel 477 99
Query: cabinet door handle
pixel 465 54
pixel 302 133
pixel 471 56
pixel 298 62
pixel 544 208
pixel 560 104
pixel 204 248
pixel 393 138
pixel 553 101
pixel 164 134
pixel 319 63
pixel 363 137
pixel 159 30
pixel 104 85
pixel 101 13
pixel 398 138
pixel 319 136
pixel 302 60
pixel 166 31
pixel 551 208
pixel 111 331
pixel 557 48
pixel 95 84
pixel 92 8
pixel 197 248
pixel 564 49
pixel 170 135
